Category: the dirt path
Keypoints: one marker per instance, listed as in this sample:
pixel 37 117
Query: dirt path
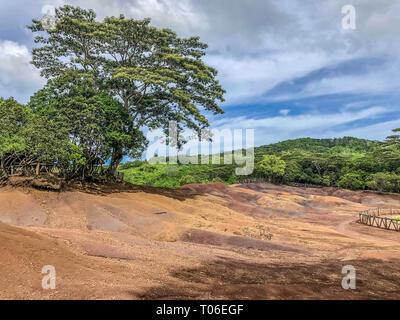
pixel 347 228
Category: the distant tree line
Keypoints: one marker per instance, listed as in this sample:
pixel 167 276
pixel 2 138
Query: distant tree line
pixel 348 162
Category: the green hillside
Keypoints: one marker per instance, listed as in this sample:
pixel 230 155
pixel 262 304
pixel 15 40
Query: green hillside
pixel 347 162
pixel 335 145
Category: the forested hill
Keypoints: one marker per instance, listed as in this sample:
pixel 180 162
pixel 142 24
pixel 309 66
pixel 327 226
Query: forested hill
pixel 335 145
pixel 347 162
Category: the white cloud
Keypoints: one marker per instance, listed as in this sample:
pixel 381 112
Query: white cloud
pixel 178 15
pixel 377 131
pixel 258 44
pixel 17 76
pixel 273 129
pixel 248 78
pixel 377 82
pixel 356 105
pixel 278 128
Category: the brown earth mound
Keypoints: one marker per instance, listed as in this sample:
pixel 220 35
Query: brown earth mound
pixel 49 182
pixel 200 241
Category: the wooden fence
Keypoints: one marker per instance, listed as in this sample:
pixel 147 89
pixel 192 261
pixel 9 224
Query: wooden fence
pixel 380 218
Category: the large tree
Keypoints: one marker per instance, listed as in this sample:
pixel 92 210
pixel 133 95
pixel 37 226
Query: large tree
pixel 157 76
pixel 89 123
pixel 389 152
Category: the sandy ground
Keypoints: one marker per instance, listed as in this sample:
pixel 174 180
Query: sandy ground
pixel 254 241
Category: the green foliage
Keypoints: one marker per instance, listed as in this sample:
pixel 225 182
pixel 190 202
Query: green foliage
pixel 163 175
pixel 271 167
pixel 396 219
pixel 13 119
pixel 29 136
pixel 131 164
pixel 348 163
pixel 157 76
pixel 346 145
pixel 81 125
pixel 188 179
pixel 107 80
pixel 110 79
pixel 385 182
pixel 351 181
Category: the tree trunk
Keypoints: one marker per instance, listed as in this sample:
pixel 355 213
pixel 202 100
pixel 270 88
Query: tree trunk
pixel 116 159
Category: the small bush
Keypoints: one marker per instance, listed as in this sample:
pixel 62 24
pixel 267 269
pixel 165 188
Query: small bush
pixel 188 179
pixel 352 181
pixel 384 181
pixel 171 171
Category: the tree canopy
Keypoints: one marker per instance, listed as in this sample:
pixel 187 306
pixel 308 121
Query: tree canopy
pixel 13 118
pixel 87 123
pixel 271 167
pixel 157 76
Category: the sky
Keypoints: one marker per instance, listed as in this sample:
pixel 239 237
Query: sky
pixel 289 67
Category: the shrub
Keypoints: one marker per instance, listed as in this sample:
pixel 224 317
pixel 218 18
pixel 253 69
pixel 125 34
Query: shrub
pixel 352 181
pixel 271 167
pixel 384 182
pixel 171 171
pixel 188 179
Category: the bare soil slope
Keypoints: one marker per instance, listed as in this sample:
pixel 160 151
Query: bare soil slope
pixel 212 241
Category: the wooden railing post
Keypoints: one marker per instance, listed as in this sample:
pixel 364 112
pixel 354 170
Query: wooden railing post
pixel 372 217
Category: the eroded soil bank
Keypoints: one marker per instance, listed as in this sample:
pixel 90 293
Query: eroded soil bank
pixel 256 241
